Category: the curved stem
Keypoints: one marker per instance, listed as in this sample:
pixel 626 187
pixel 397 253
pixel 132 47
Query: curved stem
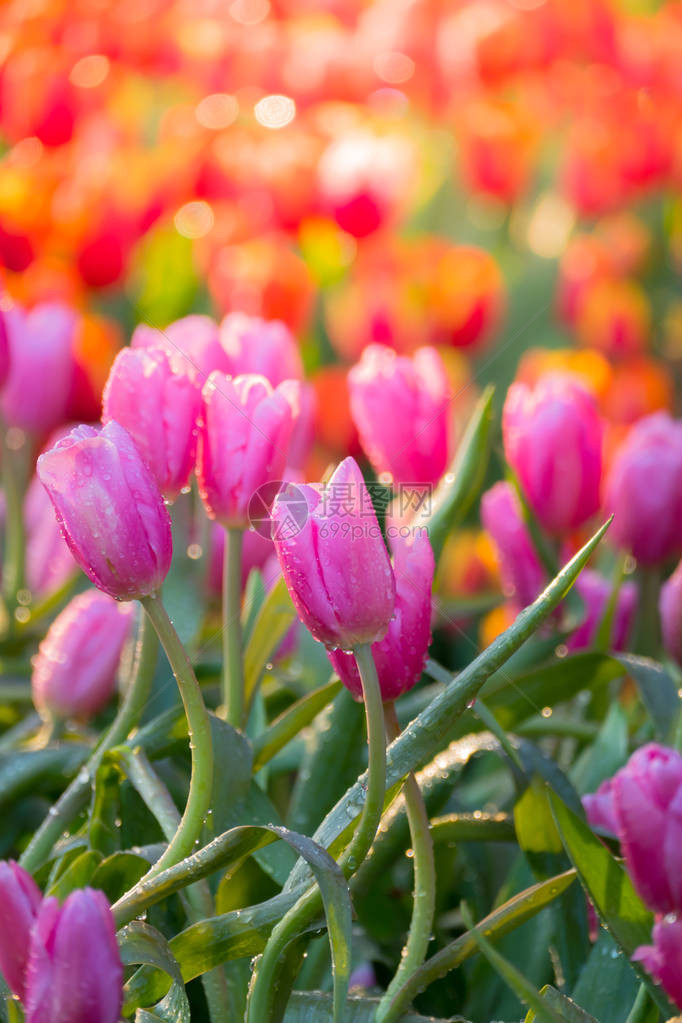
pixel 419 935
pixel 310 903
pixel 14 570
pixel 200 742
pixel 75 796
pixel 233 668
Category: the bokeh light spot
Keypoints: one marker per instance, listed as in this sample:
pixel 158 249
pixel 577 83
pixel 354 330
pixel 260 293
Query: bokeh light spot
pixel 275 111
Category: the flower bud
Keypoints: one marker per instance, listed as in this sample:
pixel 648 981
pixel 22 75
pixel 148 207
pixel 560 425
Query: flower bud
pixel 243 442
pixel 334 560
pixel 74 972
pixel 663 959
pixel 647 798
pixel 110 509
pixel 49 562
pixel 400 656
pixel 74 672
pixel 254 345
pixel 4 349
pixel 552 439
pixel 523 576
pixel 400 407
pixel 644 490
pixel 599 808
pixel 670 607
pixel 595 591
pixel 195 339
pixel 156 397
pixel 20 901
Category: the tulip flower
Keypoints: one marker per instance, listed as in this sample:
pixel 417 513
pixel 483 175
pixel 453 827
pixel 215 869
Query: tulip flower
pixel 523 576
pixel 644 490
pixel 595 591
pixel 334 560
pixel 647 799
pixel 41 366
pixel 670 607
pixel 254 345
pixel 196 339
pixel 663 959
pixel 599 808
pixel 400 656
pixel 110 510
pixel 400 407
pixel 20 901
pixel 552 439
pixel 74 672
pixel 49 562
pixel 74 971
pixel 4 349
pixel 155 395
pixel 243 442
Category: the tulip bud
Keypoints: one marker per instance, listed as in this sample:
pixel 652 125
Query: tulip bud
pixel 644 490
pixel 20 901
pixel 523 576
pixel 243 442
pixel 254 345
pixel 595 591
pixel 41 366
pixel 74 672
pixel 194 338
pixel 400 656
pixel 400 407
pixel 74 972
pixel 110 510
pixel 670 607
pixel 552 439
pixel 334 560
pixel 663 959
pixel 599 808
pixel 156 397
pixel 647 798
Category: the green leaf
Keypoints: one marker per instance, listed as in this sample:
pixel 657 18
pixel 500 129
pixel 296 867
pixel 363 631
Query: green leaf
pixel 314 1007
pixel 460 486
pixel 140 943
pixel 568 1009
pixel 269 629
pixel 604 757
pixel 658 692
pixel 535 827
pixel 27 772
pixel 77 875
pixel 607 985
pixel 119 873
pixel 103 831
pixel 473 827
pixel 292 721
pixel 232 759
pixel 254 598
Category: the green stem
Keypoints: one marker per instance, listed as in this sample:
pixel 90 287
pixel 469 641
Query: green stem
pixel 639 1012
pixel 14 570
pixel 233 667
pixel 419 935
pixel 75 796
pixel 648 628
pixel 200 742
pixel 310 903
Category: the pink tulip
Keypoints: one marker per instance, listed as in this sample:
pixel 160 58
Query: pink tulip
pixel 644 490
pixel 523 576
pixel 195 339
pixel 243 442
pixel 400 656
pixel 49 562
pixel 41 366
pixel 154 395
pixel 647 798
pixel 670 607
pixel 400 408
pixel 74 672
pixel 4 349
pixel 110 510
pixel 595 591
pixel 599 808
pixel 267 347
pixel 334 560
pixel 663 959
pixel 20 901
pixel 552 440
pixel 74 971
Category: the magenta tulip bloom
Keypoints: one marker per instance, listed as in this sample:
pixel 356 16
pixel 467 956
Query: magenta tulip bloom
pixel 74 972
pixel 243 442
pixel 552 440
pixel 157 398
pixel 523 576
pixel 663 959
pixel 49 562
pixel 4 349
pixel 20 900
pixel 400 656
pixel 599 808
pixel 334 560
pixel 400 408
pixel 647 798
pixel 595 591
pixel 195 339
pixel 110 509
pixel 644 490
pixel 74 672
pixel 670 607
pixel 267 347
pixel 41 367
